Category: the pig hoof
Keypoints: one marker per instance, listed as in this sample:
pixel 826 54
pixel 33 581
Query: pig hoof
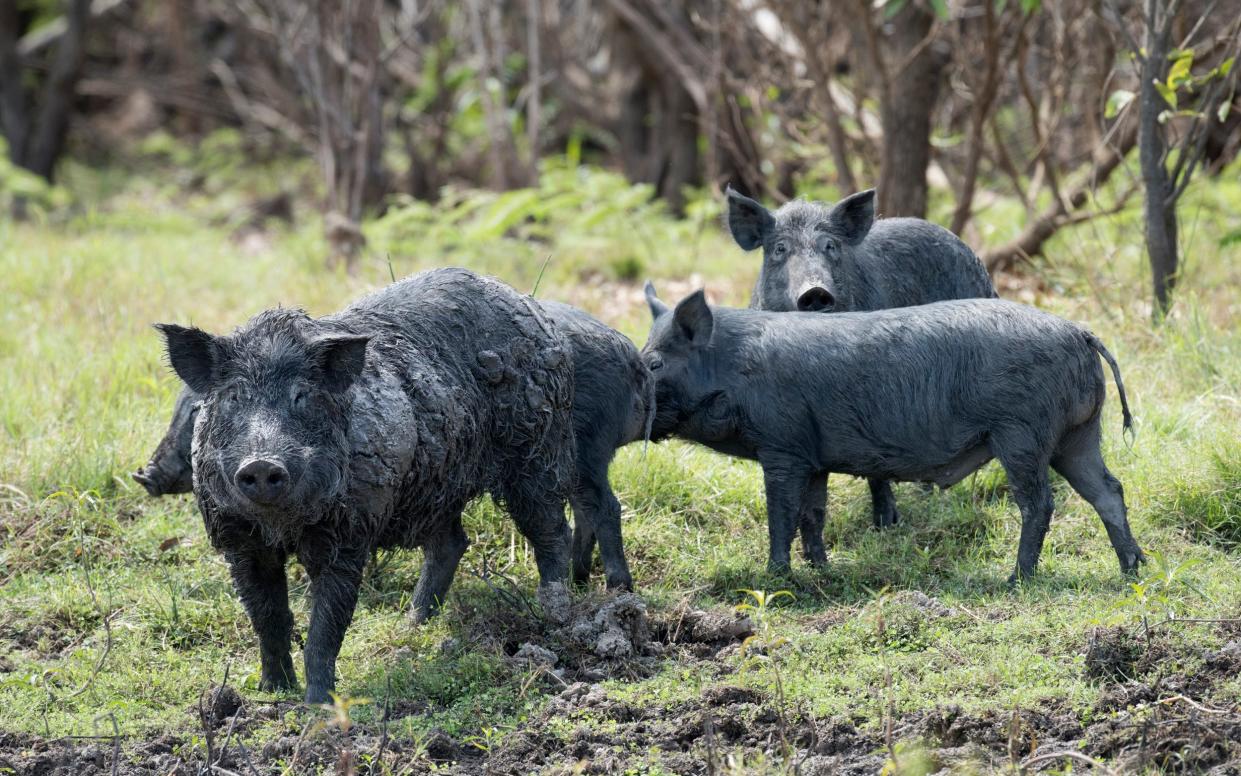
pixel 779 569
pixel 1129 566
pixel 270 684
pixel 620 584
pixel 1019 578
pixel 887 518
pixel 420 614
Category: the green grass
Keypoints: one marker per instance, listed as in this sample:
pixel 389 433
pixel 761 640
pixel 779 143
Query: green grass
pixel 85 395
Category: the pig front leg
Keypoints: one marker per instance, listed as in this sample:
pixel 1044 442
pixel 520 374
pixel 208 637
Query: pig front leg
pixel 786 483
pixel 259 577
pixel 334 581
pixel 813 516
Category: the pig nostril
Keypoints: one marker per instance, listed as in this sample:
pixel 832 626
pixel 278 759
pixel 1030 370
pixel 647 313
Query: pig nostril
pixel 262 481
pixel 817 299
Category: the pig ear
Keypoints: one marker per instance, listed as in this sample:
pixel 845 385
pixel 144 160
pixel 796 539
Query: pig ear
pixel 852 216
pixel 653 301
pixel 342 360
pixel 194 355
pixel 749 221
pixel 693 317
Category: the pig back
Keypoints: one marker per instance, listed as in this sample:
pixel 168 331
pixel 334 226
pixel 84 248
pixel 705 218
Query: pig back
pixel 908 261
pixel 489 385
pixel 612 388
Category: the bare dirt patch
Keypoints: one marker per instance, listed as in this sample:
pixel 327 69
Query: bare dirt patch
pixel 1144 717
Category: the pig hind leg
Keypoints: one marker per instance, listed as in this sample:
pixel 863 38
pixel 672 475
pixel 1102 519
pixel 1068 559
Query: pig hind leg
pixel 813 516
pixel 595 509
pixel 441 554
pixel 541 520
pixel 1080 461
pixel 583 543
pixel 1026 465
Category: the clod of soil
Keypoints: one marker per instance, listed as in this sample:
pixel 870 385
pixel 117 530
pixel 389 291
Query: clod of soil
pixel 534 656
pixel 618 629
pixel 221 703
pixel 1112 654
pixel 684 626
pixel 928 605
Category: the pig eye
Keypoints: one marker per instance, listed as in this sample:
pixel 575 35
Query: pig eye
pixel 300 396
pixel 654 362
pixel 781 248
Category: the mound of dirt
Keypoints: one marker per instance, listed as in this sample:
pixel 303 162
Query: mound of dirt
pixel 928 605
pixel 1112 654
pixel 219 704
pixel 618 629
pixel 596 638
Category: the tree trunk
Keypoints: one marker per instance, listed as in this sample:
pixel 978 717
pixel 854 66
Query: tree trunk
pixel 1160 207
pixel 44 147
pixel 983 100
pixel 679 131
pixel 14 119
pixel 906 113
pixel 534 102
pixel 658 122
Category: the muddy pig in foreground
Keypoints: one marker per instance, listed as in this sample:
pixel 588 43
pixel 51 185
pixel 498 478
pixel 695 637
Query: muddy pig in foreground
pixel 927 393
pixel 613 399
pixel 330 438
pixel 838 258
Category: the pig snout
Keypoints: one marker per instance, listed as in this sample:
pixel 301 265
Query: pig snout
pixel 148 478
pixel 263 480
pixel 815 298
pixel 161 477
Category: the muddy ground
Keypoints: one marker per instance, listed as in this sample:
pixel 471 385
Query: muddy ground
pixel 1145 718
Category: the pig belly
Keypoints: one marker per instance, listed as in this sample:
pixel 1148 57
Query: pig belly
pixel 953 470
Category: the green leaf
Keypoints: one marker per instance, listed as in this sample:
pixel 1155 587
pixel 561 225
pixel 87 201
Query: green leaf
pixel 1031 6
pixel 941 9
pixel 1225 67
pixel 1116 102
pixel 1181 65
pixel 1222 113
pixel 890 7
pixel 1167 92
